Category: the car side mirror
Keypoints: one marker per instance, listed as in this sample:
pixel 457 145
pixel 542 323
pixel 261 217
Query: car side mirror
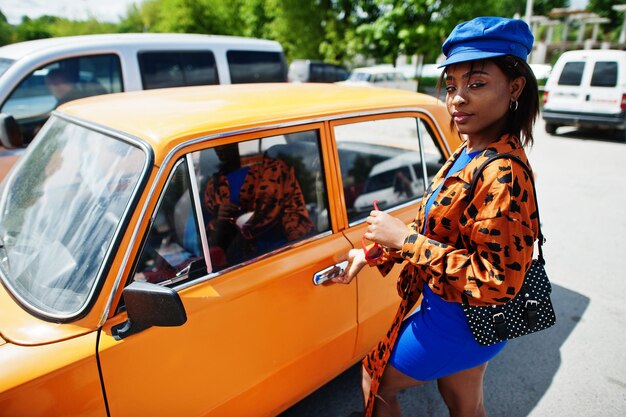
pixel 10 132
pixel 149 305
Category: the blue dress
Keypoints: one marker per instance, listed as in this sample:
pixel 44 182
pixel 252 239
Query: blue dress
pixel 436 341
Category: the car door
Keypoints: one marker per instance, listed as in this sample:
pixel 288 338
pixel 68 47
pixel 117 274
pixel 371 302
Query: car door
pixel 259 334
pixel 397 143
pixel 566 91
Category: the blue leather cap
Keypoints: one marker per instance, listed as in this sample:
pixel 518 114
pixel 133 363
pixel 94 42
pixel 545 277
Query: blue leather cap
pixel 487 37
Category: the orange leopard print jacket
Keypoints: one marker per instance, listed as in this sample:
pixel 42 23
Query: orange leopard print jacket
pixel 482 249
pixel 272 192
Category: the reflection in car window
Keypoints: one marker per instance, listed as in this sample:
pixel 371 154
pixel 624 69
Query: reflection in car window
pixel 261 195
pixel 382 160
pixel 177 69
pixel 173 242
pixel 604 74
pixel 256 67
pixel 572 73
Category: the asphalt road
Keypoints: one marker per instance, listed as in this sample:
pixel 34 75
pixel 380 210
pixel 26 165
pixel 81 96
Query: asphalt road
pixel 578 367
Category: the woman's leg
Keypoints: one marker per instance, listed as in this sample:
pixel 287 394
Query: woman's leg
pixel 386 404
pixel 463 392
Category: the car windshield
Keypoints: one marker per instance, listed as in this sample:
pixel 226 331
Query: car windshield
pixel 5 64
pixel 59 212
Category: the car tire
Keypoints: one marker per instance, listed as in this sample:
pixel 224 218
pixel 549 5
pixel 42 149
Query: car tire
pixel 551 128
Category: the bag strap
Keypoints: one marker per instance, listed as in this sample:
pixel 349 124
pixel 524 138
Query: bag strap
pixel 478 172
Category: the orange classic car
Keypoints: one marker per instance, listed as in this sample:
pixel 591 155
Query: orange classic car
pixel 167 252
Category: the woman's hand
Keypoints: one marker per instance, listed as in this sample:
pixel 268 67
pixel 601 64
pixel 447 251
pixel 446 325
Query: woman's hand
pixel 228 211
pixel 385 230
pixel 356 262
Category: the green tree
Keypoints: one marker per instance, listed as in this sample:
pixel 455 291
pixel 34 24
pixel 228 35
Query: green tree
pixel 297 26
pixel 256 18
pixel 508 8
pixel 140 18
pixel 604 8
pixel 6 30
pixel 342 18
pixel 196 16
pixel 66 27
pixel 30 29
pixel 407 27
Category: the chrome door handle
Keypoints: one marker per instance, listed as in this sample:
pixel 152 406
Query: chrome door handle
pixel 329 273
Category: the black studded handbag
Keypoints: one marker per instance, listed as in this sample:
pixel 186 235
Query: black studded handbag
pixel 531 310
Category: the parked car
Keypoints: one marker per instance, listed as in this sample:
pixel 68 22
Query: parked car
pixel 111 63
pixel 113 290
pixel 428 79
pixel 383 76
pixel 587 88
pixel 308 71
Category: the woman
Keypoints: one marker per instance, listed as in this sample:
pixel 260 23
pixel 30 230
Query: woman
pixel 481 248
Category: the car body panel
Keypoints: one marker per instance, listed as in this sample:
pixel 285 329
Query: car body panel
pixel 262 320
pixel 47 380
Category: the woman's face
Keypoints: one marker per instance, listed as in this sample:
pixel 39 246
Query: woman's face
pixel 478 98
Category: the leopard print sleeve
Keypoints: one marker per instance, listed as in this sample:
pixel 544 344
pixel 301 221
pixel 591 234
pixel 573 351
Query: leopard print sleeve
pixel 497 230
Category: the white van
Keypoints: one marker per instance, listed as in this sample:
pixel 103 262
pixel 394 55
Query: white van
pixel 587 88
pixel 101 64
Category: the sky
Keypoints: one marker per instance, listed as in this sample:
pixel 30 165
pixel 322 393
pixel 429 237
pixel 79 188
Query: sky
pixel 103 10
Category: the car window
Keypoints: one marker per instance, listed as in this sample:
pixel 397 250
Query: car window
pixel 341 74
pixel 254 196
pixel 316 74
pixel 177 69
pixel 256 67
pixel 604 74
pixel 261 195
pixel 572 73
pixel 382 160
pixel 59 82
pixel 173 242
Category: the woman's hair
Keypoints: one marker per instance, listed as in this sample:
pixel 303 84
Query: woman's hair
pixel 521 120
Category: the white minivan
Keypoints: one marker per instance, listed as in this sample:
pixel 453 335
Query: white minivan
pixel 587 88
pixel 36 76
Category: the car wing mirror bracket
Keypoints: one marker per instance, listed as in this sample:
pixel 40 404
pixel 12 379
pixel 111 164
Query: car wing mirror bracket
pixel 149 305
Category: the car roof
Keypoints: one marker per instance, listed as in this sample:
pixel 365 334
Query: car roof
pixel 18 50
pixel 377 69
pixel 167 117
pixel 603 53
